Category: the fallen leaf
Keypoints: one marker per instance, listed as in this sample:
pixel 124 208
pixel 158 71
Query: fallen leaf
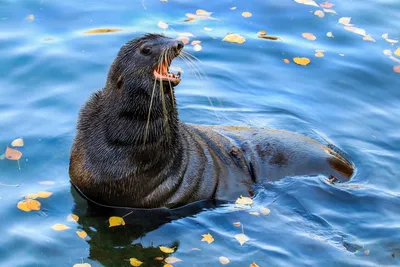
pixel 234 38
pixel 168 265
pixel 159 258
pixel 254 265
pixel 396 69
pixel 319 13
pixel 247 14
pixel 233 8
pixel 287 61
pixel 223 260
pixel 330 11
pixel 242 238
pixel 330 34
pixel 47 182
pixel 30 18
pixel 355 30
pixel 369 38
pixel 22 205
pixel 116 221
pixel 202 12
pixel 189 20
pixel 237 224
pixel 254 213
pixel 302 61
pixel 97 31
pixel 172 260
pixel 13 154
pixel 44 194
pixel 319 54
pixel 60 227
pixel 345 20
pixel 265 211
pixel 326 5
pixel 32 204
pixel 197 47
pixel 195 42
pixel 18 142
pixel 208 29
pixel 82 265
pixel 397 52
pixel 167 249
pixel 386 37
pixel 274 38
pixel 244 201
pixel 207 238
pixel 32 196
pixel 162 25
pixel 262 32
pixel 307 2
pixel 309 36
pixel 81 234
pixel 73 218
pixel 135 262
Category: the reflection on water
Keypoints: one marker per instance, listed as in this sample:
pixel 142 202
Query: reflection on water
pixel 348 97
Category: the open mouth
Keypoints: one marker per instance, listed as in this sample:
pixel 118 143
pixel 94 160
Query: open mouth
pixel 161 72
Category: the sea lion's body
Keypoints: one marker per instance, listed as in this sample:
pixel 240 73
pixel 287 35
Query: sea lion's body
pixel 119 159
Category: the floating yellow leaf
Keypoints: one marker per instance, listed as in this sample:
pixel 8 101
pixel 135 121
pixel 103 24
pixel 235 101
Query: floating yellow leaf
pixel 326 5
pixel 265 211
pixel 386 37
pixel 247 14
pixel 254 265
pixel 13 154
pixel 44 194
pixel 369 38
pixel 116 221
pixel 22 205
pixel 81 234
pixel 60 227
pixel 223 260
pixel 309 36
pixel 345 21
pixel 98 31
pixel 32 204
pixel 397 52
pixel 237 224
pixel 167 249
pixel 254 213
pixel 162 25
pixel 18 142
pixel 356 30
pixel 135 262
pixel 262 32
pixel 207 238
pixel 330 34
pixel 159 258
pixel 195 42
pixel 234 38
pixel 301 61
pixel 72 218
pixel 168 265
pixel 306 2
pixel 30 18
pixel 287 61
pixel 319 54
pixel 197 47
pixel 82 265
pixel 244 201
pixel 396 69
pixel 32 196
pixel 202 12
pixel 242 238
pixel 319 13
pixel 172 260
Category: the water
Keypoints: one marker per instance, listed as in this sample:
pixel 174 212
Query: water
pixel 351 100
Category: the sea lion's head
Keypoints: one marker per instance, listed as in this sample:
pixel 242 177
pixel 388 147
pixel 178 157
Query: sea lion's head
pixel 144 62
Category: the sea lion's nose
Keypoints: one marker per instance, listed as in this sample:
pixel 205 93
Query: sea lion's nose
pixel 178 46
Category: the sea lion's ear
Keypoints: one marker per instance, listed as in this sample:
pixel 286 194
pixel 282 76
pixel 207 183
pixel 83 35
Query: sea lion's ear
pixel 120 82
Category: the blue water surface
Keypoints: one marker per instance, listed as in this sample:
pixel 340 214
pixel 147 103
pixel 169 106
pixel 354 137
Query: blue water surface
pixel 350 97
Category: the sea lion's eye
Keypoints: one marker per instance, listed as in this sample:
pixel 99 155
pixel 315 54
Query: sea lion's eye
pixel 146 50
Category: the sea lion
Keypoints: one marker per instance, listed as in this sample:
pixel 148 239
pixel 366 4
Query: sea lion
pixel 131 150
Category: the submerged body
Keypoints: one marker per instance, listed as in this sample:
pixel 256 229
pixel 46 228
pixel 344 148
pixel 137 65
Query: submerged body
pixel 131 150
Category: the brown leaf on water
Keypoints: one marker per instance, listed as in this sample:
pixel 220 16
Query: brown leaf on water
pixel 167 249
pixel 287 61
pixel 72 218
pixel 18 142
pixel 309 36
pixel 273 38
pixel 195 42
pixel 303 61
pixel 247 14
pixel 207 238
pixel 326 5
pixel 396 69
pixel 44 194
pixel 319 13
pixel 99 31
pixel 189 20
pixel 262 32
pixel 319 54
pixel 162 25
pixel 172 260
pixel 369 38
pixel 81 234
pixel 241 238
pixel 159 258
pixel 60 227
pixel 234 38
pixel 223 260
pixel 254 265
pixel 265 211
pixel 13 154
pixel 237 224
